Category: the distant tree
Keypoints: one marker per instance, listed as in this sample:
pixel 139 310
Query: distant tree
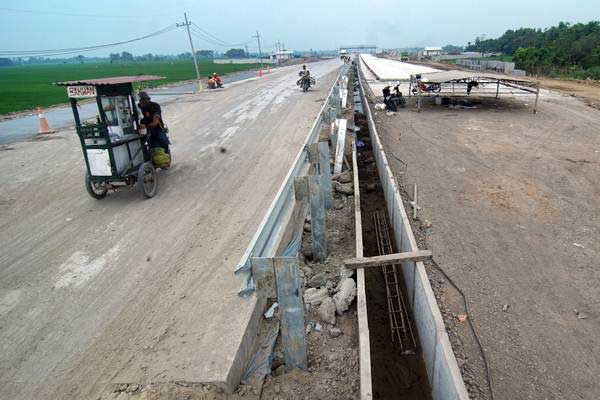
pixel 6 62
pixel 564 47
pixel 205 54
pixel 451 49
pixel 126 56
pixel 184 56
pixel 235 53
pixel 114 57
pixel 80 58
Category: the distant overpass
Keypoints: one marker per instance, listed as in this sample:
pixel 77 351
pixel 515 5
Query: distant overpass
pixel 358 49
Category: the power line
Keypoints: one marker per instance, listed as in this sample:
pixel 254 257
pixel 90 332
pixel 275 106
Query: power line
pixel 65 14
pixel 53 52
pixel 212 39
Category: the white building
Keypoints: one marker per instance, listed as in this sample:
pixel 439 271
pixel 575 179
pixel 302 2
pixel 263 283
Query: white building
pixel 282 55
pixel 432 51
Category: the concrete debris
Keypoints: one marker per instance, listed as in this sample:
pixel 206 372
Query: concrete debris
pixel 390 113
pixel 307 227
pixel 345 295
pixel 580 314
pixel 327 311
pixel 344 188
pixel 313 326
pixel 380 106
pixel 308 272
pixel 329 285
pixel 269 313
pixel 345 273
pixel 317 281
pixel 505 307
pixel 315 297
pixel 335 332
pixel 344 177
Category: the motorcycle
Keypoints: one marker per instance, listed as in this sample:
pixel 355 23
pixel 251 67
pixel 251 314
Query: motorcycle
pixel 305 82
pixel 431 88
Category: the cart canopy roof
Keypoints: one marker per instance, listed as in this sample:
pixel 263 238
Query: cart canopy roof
pixel 117 80
pixel 456 75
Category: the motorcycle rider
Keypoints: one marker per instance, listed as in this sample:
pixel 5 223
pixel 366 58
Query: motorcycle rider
pixel 217 80
pixel 304 76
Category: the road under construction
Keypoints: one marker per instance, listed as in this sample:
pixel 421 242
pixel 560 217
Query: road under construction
pixel 285 256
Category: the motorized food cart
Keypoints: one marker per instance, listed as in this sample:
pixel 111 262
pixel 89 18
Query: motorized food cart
pixel 114 145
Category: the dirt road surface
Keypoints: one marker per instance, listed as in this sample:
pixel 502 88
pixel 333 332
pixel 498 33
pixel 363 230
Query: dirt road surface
pixel 132 290
pixel 513 202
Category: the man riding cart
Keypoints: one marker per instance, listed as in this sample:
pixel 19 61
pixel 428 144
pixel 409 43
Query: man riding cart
pixel 119 149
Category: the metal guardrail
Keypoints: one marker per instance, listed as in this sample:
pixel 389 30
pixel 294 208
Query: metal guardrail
pixel 265 241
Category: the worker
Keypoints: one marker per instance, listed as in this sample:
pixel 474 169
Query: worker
pixel 304 72
pixel 217 80
pixel 152 121
pixel 210 83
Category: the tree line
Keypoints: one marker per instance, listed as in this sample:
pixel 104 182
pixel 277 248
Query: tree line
pixel 572 49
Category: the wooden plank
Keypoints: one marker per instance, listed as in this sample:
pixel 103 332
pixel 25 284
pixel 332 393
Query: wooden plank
pixel 388 259
pixel 289 296
pixel 317 219
pixel 340 145
pixel 364 343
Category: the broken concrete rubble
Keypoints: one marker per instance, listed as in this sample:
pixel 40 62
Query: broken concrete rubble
pixel 345 295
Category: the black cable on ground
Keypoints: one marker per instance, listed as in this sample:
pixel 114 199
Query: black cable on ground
pixel 464 299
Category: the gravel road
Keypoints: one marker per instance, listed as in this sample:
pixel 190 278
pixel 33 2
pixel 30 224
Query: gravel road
pixel 132 290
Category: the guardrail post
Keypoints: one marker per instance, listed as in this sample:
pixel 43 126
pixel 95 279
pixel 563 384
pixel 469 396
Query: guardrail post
pixel 308 186
pixel 317 218
pixel 319 155
pixel 289 296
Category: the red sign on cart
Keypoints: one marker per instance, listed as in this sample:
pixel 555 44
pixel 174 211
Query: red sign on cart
pixel 81 91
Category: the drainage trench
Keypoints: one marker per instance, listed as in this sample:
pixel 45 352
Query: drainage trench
pixel 397 366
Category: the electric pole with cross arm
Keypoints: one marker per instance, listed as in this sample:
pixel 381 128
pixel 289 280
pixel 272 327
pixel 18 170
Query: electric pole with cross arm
pixel 187 25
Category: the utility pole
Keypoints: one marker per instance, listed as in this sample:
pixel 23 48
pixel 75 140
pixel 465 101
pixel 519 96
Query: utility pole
pixel 259 51
pixel 187 25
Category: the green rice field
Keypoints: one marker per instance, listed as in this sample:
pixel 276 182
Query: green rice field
pixel 30 86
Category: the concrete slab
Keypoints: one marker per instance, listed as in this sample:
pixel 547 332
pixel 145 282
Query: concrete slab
pixel 131 290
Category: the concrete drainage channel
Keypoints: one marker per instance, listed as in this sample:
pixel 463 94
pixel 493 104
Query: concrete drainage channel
pixel 441 372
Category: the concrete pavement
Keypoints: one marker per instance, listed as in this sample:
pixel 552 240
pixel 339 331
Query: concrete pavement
pixel 131 290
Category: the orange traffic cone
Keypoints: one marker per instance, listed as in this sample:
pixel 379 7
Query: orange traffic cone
pixel 44 128
pixel 260 72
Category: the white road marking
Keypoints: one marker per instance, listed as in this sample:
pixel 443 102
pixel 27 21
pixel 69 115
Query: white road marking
pixel 78 269
pixel 9 300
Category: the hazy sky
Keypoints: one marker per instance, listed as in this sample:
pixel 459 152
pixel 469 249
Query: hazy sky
pixel 300 24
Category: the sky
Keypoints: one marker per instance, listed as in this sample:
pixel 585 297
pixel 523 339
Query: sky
pixel 301 25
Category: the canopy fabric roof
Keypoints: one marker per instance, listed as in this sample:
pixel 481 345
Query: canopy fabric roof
pixel 117 80
pixel 456 75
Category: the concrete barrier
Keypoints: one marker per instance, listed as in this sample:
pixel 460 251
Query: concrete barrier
pixel 442 369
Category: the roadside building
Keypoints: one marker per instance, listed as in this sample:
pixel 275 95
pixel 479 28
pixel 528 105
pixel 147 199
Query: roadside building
pixel 282 56
pixel 432 51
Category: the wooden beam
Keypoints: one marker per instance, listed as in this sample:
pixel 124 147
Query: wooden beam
pixel 388 259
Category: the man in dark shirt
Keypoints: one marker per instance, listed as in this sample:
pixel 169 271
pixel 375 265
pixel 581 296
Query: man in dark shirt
pixel 152 120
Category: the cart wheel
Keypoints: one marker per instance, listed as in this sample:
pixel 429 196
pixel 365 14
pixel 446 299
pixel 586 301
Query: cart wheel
pixel 147 179
pixel 97 190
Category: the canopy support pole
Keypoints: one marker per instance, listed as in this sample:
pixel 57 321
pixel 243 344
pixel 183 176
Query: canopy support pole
pixel 537 96
pixel 497 88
